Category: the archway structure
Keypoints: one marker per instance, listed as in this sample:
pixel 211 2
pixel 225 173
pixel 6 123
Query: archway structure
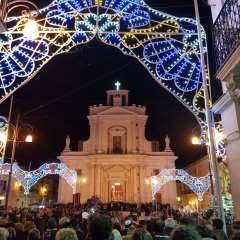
pixel 197 185
pixel 165 45
pixel 28 178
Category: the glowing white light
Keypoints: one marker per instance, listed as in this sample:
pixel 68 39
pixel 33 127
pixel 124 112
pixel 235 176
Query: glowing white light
pixel 31 29
pixel 29 138
pixel 2 137
pixel 195 140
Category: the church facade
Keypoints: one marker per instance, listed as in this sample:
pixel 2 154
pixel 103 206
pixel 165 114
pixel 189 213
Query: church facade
pixel 117 161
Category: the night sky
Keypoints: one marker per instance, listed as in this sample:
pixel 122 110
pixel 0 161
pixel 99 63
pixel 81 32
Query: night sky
pixel 57 100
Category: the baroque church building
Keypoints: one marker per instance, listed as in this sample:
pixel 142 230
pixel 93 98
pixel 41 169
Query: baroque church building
pixel 117 161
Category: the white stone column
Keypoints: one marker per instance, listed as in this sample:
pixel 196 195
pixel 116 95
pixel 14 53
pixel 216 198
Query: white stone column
pixel 134 140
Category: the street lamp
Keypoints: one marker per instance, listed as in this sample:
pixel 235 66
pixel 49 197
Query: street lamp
pixel 78 180
pixel 16 130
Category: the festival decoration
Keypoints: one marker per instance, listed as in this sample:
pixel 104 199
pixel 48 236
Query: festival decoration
pixel 28 178
pixel 167 46
pixel 197 185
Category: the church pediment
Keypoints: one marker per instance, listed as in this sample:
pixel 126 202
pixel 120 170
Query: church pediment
pixel 116 168
pixel 117 111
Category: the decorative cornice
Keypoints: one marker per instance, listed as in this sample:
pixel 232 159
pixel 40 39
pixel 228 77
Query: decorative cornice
pixel 229 65
pixel 224 102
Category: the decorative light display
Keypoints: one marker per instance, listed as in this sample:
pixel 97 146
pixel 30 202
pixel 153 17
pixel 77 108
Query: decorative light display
pixel 165 45
pixel 197 185
pixel 3 134
pixel 28 179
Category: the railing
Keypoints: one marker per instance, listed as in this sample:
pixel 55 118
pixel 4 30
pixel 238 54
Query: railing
pixel 226 32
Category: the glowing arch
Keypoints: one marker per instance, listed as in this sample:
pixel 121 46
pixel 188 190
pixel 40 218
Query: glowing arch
pixel 166 46
pixel 28 179
pixel 197 185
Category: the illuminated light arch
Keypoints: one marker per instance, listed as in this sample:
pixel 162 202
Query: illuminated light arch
pixel 197 185
pixel 28 179
pixel 167 46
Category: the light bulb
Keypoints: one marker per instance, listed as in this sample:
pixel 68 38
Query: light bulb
pixel 31 30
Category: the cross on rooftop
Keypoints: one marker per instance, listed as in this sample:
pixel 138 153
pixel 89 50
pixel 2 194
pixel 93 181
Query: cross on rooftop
pixel 117 84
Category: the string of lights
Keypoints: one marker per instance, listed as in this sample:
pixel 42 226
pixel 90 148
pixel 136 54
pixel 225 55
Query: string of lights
pixel 165 45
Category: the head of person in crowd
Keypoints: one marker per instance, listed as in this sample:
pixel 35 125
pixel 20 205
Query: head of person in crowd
pixel 158 225
pixel 100 227
pixel 19 227
pixel 66 234
pixel 12 233
pixel 169 225
pixel 117 226
pixel 183 232
pixel 217 223
pixel 4 233
pixel 34 234
pixel 115 235
pixel 187 222
pixel 51 223
pixel 142 224
pixel 141 234
pixel 236 227
pixel 28 225
pixel 85 216
pixel 204 231
pixel 64 222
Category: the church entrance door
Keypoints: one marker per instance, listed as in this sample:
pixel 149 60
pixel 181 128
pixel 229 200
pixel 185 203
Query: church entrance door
pixel 117 192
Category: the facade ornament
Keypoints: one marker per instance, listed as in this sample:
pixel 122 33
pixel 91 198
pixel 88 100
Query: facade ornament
pixel 67 146
pixel 167 142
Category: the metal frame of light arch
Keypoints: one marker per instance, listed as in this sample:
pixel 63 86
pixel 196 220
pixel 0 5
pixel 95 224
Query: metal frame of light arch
pixel 166 46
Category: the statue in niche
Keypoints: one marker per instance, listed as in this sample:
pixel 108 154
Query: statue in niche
pixel 67 146
pixel 224 178
pixel 167 142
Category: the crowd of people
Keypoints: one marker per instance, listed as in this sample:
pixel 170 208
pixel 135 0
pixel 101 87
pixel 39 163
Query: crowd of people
pixel 71 223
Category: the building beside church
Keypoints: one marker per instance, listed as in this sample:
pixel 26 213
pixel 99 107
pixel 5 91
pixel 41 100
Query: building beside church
pixel 226 38
pixel 117 161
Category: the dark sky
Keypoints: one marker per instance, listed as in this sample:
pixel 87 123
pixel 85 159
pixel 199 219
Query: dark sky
pixel 58 98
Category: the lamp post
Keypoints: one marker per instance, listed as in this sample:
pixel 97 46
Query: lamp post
pixel 210 125
pixel 16 130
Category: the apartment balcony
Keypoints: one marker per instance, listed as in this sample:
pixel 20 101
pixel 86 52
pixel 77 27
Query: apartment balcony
pixel 226 32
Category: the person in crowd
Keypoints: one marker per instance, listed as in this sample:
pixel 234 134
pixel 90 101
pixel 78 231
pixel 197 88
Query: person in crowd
pixel 129 233
pixel 28 226
pixel 100 227
pixel 51 230
pixel 127 225
pixel 204 231
pixel 141 234
pixel 158 230
pixel 74 223
pixel 169 225
pixel 183 232
pixel 64 222
pixel 66 234
pixel 83 224
pixel 34 234
pixel 115 235
pixel 218 233
pixel 12 233
pixel 20 234
pixel 4 233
